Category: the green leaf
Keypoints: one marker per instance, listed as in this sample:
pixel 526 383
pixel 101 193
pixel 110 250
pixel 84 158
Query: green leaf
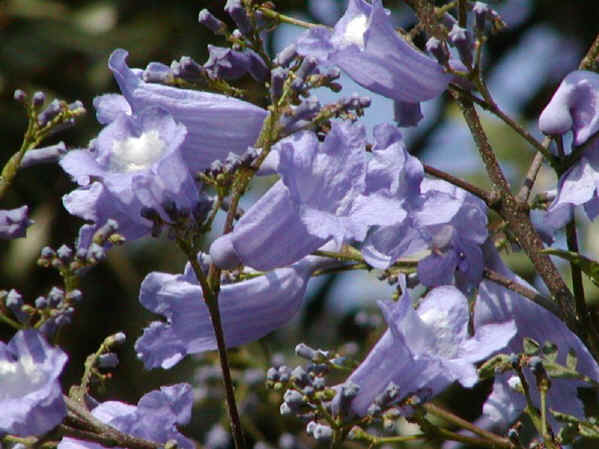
pixel 572 359
pixel 589 266
pixel 496 364
pixel 550 351
pixel 531 347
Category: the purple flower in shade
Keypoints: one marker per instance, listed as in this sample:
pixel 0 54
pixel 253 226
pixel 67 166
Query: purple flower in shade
pixel 426 349
pixel 365 45
pixel 207 116
pixel 456 245
pixel 495 304
pixel 249 310
pixel 30 393
pixel 14 222
pixel 229 64
pixel 324 195
pixel 134 163
pixel 442 218
pixel 154 418
pixel 573 107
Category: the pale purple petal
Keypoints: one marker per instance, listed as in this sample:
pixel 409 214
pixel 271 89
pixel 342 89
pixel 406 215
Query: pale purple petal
pixel 30 393
pixel 207 116
pixel 574 106
pixel 249 310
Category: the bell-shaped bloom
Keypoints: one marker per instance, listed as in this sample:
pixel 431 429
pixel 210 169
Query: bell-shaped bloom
pixel 154 418
pixel 578 186
pixel 426 349
pixel 14 222
pixel 325 194
pixel 444 219
pixel 134 163
pixel 216 124
pixel 30 393
pixel 365 45
pixel 249 310
pixel 573 107
pixel 496 304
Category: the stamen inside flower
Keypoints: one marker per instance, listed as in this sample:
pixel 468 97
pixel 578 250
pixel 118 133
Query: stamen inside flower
pixel 20 377
pixel 355 29
pixel 137 153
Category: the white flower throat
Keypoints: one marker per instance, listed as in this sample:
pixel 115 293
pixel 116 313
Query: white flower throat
pixel 20 377
pixel 137 153
pixel 355 29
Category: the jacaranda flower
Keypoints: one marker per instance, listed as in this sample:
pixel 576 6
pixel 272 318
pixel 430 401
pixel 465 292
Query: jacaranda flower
pixel 574 107
pixel 496 304
pixel 30 393
pixel 426 349
pixel 325 194
pixel 154 418
pixel 365 45
pixel 249 310
pixel 134 163
pixel 216 124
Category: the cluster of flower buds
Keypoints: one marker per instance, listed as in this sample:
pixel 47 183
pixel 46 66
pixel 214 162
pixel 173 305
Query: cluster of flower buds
pixel 48 313
pixel 55 117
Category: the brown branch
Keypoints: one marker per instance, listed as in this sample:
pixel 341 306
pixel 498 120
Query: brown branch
pixel 477 191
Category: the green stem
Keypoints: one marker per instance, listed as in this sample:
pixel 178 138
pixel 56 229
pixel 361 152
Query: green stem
pixel 462 423
pixel 267 12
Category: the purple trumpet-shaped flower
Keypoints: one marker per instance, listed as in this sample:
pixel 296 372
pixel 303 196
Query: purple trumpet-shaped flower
pixel 426 349
pixel 206 116
pixel 365 45
pixel 496 304
pixel 30 393
pixel 448 221
pixel 154 418
pixel 249 310
pixel 135 164
pixel 573 107
pixel 14 222
pixel 325 194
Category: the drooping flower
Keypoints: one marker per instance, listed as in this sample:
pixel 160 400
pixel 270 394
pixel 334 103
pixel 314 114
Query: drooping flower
pixel 134 163
pixel 325 194
pixel 249 310
pixel 496 304
pixel 365 45
pixel 573 107
pixel 207 116
pixel 30 393
pixel 154 418
pixel 14 222
pixel 426 348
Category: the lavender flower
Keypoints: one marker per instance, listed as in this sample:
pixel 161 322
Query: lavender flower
pixel 154 418
pixel 249 310
pixel 573 107
pixel 14 222
pixel 30 394
pixel 205 115
pixel 365 45
pixel 135 163
pixel 324 195
pixel 496 304
pixel 426 349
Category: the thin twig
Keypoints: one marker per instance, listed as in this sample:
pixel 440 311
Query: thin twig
pixel 590 58
pixel 532 173
pixel 477 191
pixel 521 290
